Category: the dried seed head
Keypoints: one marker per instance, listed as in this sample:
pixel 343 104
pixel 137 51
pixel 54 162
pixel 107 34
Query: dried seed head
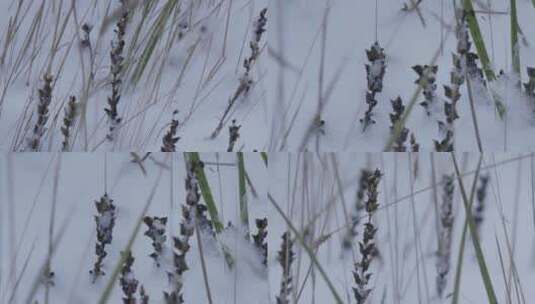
pixel 367 247
pixel 128 281
pixel 375 72
pixel 156 232
pixel 105 222
pixel 260 238
pixel 285 257
pixel 170 139
pixel 71 111
pixel 445 233
pixel 426 78
pixel 395 117
pixel 234 134
pixel 42 113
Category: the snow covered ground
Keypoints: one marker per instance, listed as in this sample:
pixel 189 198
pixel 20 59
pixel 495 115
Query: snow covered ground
pixel 319 197
pixel 195 69
pixel 26 196
pixel 318 48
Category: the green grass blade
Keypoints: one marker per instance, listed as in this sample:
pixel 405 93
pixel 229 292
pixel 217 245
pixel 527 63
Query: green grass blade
pixel 244 212
pixel 206 192
pixel 475 31
pixel 515 47
pixel 265 156
pixel 156 33
pixel 475 240
pixel 308 250
pixel 460 257
pixel 400 124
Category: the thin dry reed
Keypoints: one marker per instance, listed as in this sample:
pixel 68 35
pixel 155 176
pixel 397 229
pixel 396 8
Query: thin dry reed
pixel 246 79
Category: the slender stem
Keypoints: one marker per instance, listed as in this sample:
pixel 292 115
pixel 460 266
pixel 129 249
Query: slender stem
pixel 473 111
pixel 203 262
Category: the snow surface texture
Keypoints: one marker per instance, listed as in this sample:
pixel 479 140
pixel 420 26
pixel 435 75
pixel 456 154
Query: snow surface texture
pixel 26 195
pixel 316 194
pixel 318 55
pixel 195 69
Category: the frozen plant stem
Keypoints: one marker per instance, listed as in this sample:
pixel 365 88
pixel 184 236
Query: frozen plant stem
pixel 286 257
pixel 445 235
pixel 105 221
pixel 45 98
pixel 375 72
pixel 156 232
pixel 367 247
pixel 245 80
pixel 116 69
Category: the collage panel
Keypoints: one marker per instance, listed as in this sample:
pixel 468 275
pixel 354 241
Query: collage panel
pixel 402 75
pixel 393 228
pixel 133 75
pixel 129 228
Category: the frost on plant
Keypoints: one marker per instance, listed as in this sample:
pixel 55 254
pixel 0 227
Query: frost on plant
pixel 128 281
pixel 260 238
pixel 375 72
pixel 105 221
pixel 181 243
pixel 426 78
pixel 156 232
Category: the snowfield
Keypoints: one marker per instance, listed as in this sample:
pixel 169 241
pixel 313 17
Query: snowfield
pixel 27 194
pixel 183 56
pixel 318 56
